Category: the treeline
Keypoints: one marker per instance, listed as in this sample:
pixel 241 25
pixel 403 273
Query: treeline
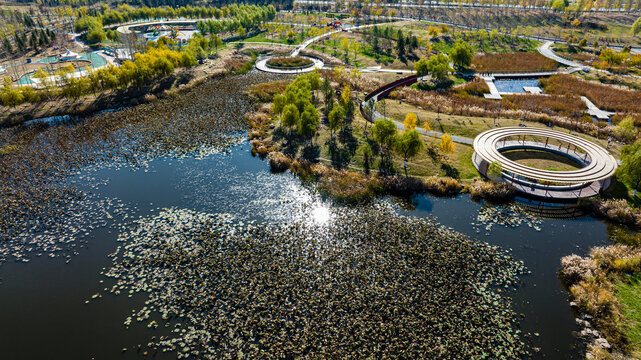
pixel 157 62
pixel 157 3
pixel 125 13
pixel 233 18
pixel 404 7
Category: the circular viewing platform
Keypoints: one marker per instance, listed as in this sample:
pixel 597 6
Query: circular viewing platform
pixel 595 164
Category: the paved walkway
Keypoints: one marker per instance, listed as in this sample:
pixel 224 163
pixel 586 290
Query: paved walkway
pixel 548 53
pixel 595 111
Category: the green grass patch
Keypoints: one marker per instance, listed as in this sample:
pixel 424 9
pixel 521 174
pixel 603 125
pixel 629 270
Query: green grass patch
pixel 629 295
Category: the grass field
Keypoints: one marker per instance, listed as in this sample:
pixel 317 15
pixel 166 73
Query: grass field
pixel 628 294
pixel 542 160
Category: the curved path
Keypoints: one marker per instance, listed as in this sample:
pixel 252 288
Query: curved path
pixel 262 66
pixel 599 163
pixel 548 53
pixel 383 91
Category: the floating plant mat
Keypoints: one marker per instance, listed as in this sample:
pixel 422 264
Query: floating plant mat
pixel 362 283
pixel 36 196
pixel 509 215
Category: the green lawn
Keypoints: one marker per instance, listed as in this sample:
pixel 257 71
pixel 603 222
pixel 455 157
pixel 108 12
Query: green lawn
pixel 629 295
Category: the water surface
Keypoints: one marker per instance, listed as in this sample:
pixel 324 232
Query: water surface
pixel 43 303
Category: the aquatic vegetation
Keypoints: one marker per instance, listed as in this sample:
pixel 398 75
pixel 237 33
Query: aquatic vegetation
pixel 508 215
pixel 35 192
pixel 339 283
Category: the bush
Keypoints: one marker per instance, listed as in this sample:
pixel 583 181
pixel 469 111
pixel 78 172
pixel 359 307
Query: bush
pixel 476 87
pixel 491 190
pixel 279 162
pixel 616 210
pixel 264 92
pixel 575 268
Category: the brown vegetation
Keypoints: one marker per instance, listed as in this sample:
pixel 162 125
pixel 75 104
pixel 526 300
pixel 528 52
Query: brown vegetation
pixel 564 105
pixel 476 87
pixel 265 92
pixel 591 284
pixel 616 210
pixel 512 62
pixel 279 162
pixel 491 190
pixel 603 96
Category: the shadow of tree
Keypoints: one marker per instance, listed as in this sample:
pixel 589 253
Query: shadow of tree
pixel 450 171
pixel 311 152
pixel 386 166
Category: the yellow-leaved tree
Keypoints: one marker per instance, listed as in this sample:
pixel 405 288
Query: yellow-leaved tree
pixel 446 145
pixel 410 122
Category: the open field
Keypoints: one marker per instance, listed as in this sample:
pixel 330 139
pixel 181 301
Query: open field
pixel 542 160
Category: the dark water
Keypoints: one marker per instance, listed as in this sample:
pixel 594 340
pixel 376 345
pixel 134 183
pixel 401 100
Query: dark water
pixel 42 303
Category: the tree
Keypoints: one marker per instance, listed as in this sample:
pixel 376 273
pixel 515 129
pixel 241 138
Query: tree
pixel 216 41
pixel 346 96
pixel 410 121
pixel 636 27
pixel 439 67
pixel 626 130
pixel 96 35
pixel 559 5
pixel 290 117
pixel 408 145
pixel 421 67
pixel 336 117
pixel 345 44
pixel 11 96
pixel 446 145
pixel 241 32
pixel 384 132
pixel 309 122
pixel 630 170
pixel 400 45
pixel 461 54
pixel 278 104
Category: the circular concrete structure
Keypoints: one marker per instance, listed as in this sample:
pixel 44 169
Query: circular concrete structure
pixel 598 166
pixel 316 64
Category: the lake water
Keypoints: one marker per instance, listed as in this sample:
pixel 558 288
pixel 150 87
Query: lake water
pixel 515 85
pixel 43 305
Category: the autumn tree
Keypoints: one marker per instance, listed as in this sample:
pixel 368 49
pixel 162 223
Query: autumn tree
pixel 446 145
pixel 410 121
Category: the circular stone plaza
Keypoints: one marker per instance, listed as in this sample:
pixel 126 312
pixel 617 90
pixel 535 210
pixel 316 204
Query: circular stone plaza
pixel 595 165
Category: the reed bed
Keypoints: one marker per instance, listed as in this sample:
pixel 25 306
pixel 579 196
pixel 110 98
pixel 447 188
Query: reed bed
pixel 512 62
pixel 603 96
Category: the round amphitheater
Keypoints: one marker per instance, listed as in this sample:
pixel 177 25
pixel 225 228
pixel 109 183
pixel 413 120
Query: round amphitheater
pixel 596 164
